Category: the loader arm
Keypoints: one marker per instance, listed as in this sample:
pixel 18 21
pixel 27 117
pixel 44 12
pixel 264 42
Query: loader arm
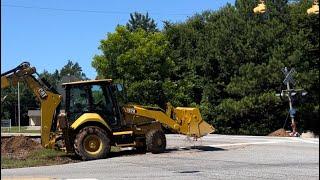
pixel 187 121
pixel 48 97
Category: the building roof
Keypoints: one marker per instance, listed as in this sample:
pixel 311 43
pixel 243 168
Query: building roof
pixel 33 112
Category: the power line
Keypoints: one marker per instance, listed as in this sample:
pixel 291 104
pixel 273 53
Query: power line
pixel 84 11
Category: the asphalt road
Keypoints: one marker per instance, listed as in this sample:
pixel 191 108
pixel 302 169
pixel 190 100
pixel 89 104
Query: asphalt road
pixel 212 157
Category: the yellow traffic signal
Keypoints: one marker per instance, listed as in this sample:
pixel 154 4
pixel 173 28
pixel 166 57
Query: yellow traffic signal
pixel 314 8
pixel 261 8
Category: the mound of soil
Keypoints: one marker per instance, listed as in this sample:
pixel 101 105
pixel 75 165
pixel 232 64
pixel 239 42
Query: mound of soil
pixel 18 147
pixel 280 132
pixel 24 148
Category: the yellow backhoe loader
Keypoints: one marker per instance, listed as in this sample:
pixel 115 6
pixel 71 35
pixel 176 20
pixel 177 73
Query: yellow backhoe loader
pixel 94 120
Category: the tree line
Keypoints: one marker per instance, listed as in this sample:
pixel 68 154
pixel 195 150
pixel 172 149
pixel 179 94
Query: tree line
pixel 226 62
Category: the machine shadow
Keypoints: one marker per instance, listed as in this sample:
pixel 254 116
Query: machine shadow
pixel 72 158
pixel 125 153
pixel 200 148
pixel 134 152
pixel 168 150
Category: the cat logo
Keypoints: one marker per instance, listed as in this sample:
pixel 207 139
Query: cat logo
pixel 42 93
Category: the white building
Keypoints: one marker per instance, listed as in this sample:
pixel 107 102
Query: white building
pixel 34 117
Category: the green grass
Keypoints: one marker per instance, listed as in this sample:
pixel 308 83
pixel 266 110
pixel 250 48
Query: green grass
pixel 41 157
pixel 15 129
pixel 37 158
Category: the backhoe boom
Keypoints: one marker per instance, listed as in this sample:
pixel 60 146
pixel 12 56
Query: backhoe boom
pixel 46 95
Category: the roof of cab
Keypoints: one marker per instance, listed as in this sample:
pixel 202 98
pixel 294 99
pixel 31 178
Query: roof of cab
pixel 87 81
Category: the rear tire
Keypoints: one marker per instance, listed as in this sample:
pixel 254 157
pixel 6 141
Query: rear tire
pixel 91 143
pixel 156 141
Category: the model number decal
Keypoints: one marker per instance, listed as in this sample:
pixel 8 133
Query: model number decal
pixel 130 110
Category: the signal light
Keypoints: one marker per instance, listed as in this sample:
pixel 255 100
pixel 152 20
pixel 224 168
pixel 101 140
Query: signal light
pixel 261 8
pixel 314 8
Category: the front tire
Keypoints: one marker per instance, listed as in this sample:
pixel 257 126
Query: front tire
pixel 92 143
pixel 156 141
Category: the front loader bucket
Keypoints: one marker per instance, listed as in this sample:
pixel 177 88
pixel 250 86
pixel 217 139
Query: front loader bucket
pixel 191 122
pixel 182 120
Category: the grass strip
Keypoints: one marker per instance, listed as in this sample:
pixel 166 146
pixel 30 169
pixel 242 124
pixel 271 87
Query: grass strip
pixel 42 157
pixel 15 129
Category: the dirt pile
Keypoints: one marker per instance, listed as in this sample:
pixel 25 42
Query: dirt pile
pixel 280 132
pixel 18 147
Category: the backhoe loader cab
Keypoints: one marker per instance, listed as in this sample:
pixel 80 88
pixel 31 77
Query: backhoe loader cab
pixel 96 97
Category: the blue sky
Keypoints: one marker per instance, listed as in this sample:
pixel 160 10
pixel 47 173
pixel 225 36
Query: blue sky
pixel 47 38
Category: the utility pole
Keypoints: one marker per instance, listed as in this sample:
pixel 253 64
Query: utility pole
pixel 19 106
pixel 290 93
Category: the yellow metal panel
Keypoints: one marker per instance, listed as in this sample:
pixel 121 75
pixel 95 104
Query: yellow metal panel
pixel 188 121
pixel 48 108
pixel 122 133
pixel 89 117
pixel 192 123
pixel 157 115
pixel 49 104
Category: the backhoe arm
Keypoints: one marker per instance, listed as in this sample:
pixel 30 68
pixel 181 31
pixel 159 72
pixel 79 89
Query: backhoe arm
pixel 48 97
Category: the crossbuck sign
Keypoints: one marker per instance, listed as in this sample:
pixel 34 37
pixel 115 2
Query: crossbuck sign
pixel 288 75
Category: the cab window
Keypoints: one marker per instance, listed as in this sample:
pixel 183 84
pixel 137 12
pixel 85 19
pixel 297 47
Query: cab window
pixel 98 99
pixel 78 101
pixel 102 102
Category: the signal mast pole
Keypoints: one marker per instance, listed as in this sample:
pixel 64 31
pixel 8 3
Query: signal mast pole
pixel 292 111
pixel 290 93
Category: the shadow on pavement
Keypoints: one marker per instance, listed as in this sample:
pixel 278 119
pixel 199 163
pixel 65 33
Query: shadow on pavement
pixel 125 153
pixel 200 148
pixel 207 148
pixel 168 150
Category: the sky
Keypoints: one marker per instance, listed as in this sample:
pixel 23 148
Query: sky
pixel 49 33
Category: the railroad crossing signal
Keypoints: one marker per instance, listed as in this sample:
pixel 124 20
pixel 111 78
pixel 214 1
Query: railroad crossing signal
pixel 288 75
pixel 290 93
